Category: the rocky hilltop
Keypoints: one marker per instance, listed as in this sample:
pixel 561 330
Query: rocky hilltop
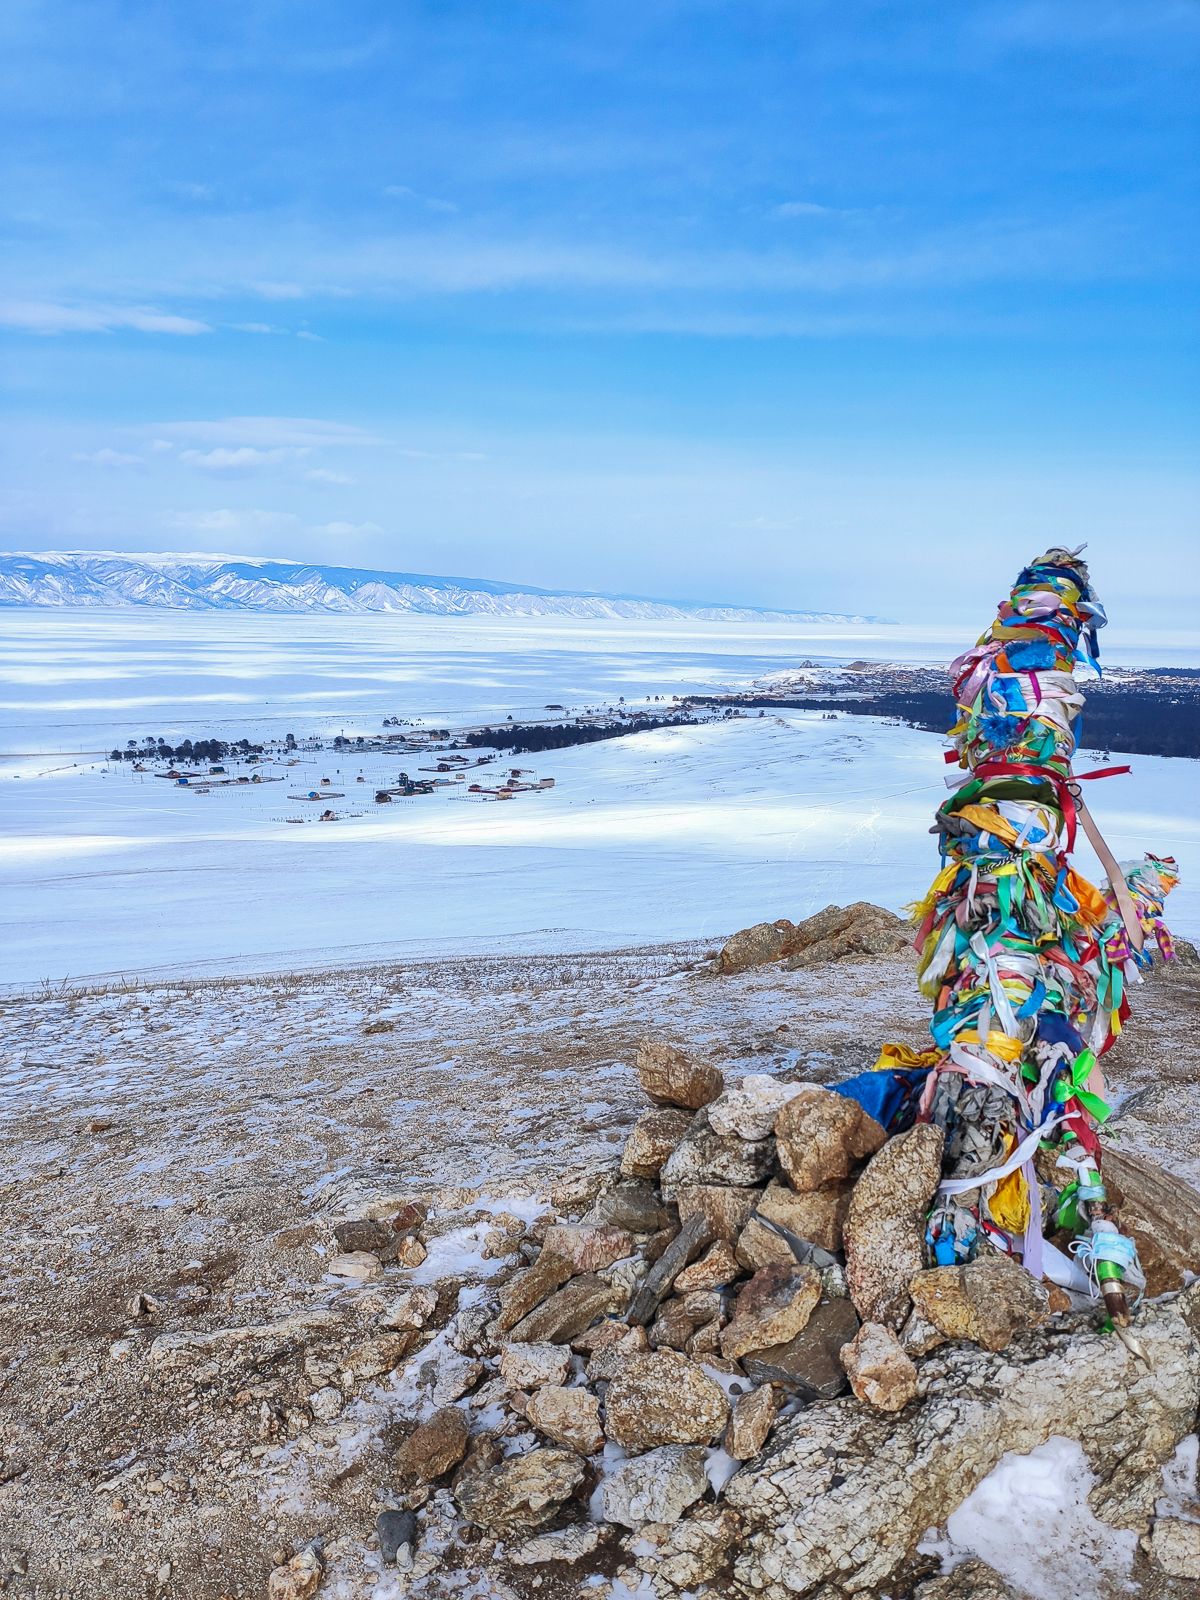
pixel 681 1339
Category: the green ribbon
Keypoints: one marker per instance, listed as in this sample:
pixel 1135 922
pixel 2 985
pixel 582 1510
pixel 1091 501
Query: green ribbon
pixel 1073 1085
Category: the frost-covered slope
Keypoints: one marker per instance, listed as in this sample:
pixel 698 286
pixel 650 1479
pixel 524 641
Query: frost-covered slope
pixel 240 583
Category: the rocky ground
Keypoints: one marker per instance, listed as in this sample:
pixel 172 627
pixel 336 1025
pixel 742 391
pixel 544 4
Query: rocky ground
pixel 199 1377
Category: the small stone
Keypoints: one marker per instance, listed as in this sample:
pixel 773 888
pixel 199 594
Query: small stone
pixel 725 1208
pixel 656 1487
pixel 567 1545
pixel 409 1251
pixel 753 1417
pixel 717 1267
pixel 810 1364
pixel 663 1398
pixel 918 1336
pixel 696 1550
pixel 1058 1301
pixel 652 1139
pixel 879 1371
pixel 672 1078
pixel 1175 1547
pixel 529 1366
pixel 771 1309
pixel 433 1447
pixel 397 1531
pixel 364 1233
pixel 410 1310
pixel 749 1109
pixel 453 1376
pixel 674 1325
pixel 569 1311
pixel 299 1579
pixel 588 1249
pixel 611 1333
pixel 884 1232
pixel 521 1492
pixel 570 1417
pixel 760 1245
pixel 691 1239
pixel 357 1264
pixel 817 1215
pixel 607 1359
pixel 987 1300
pixel 374 1357
pixel 633 1206
pixel 521 1294
pixel 822 1136
pixel 326 1403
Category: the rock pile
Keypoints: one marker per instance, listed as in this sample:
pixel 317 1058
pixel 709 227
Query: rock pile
pixel 695 1317
pixel 858 929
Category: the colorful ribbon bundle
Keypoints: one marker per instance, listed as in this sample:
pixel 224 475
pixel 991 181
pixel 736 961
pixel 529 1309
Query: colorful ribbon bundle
pixel 1026 963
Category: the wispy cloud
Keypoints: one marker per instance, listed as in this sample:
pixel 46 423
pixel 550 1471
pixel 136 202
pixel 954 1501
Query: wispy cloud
pixel 401 191
pixel 50 317
pixel 266 433
pixel 243 458
pixel 108 458
pixel 323 475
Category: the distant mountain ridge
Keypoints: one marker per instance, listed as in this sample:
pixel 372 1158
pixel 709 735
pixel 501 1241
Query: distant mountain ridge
pixel 96 578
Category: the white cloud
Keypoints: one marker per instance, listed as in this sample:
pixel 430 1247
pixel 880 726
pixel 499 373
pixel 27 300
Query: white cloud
pixel 241 458
pixel 161 446
pixel 401 191
pixel 323 475
pixel 271 290
pixel 254 327
pixel 107 458
pixel 804 208
pixel 50 317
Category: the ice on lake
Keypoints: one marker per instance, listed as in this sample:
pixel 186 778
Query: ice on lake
pixel 680 833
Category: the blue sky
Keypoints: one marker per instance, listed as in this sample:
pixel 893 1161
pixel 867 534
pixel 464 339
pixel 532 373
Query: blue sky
pixel 844 305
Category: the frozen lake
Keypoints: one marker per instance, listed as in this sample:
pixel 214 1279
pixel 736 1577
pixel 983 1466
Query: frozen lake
pixel 682 833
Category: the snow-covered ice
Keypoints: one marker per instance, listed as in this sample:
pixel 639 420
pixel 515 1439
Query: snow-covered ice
pixel 688 832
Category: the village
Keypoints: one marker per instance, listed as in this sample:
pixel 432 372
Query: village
pixel 447 760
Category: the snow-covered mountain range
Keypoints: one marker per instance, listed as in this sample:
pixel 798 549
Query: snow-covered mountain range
pixel 92 578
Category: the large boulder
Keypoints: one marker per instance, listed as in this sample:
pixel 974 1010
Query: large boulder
pixel 756 946
pixel 822 1136
pixel 663 1398
pixel 725 1207
pixel 749 1109
pixel 884 1231
pixel 587 1248
pixel 842 1493
pixel 987 1300
pixel 1161 1212
pixel 705 1156
pixel 672 1078
pixel 809 1364
pixel 818 1215
pixel 772 1308
pixel 858 929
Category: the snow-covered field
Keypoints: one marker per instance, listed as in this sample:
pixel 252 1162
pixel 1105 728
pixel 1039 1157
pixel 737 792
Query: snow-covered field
pixel 682 833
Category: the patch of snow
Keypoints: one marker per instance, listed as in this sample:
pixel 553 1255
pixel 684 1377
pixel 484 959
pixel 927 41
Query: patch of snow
pixel 1030 1521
